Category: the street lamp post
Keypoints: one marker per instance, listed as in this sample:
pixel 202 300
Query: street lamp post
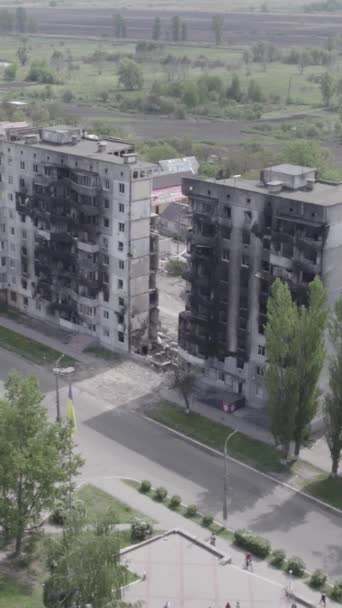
pixel 58 371
pixel 225 480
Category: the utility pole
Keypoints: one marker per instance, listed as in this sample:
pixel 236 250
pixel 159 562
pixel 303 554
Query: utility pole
pixel 58 371
pixel 225 480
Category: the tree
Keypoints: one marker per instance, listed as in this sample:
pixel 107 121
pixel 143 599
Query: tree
pixel 22 55
pixel 190 94
pixel 184 32
pixel 176 28
pixel 333 399
pixel 307 153
pixel 308 353
pixel 254 92
pixel 120 26
pixel 11 72
pixel 21 20
pixel 156 30
pixel 36 458
pixel 280 374
pixel 217 25
pixel 84 565
pixel 247 58
pixel 234 90
pixel 130 75
pixel 184 383
pixel 327 88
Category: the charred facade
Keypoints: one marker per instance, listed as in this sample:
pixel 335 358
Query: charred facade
pixel 245 234
pixel 81 249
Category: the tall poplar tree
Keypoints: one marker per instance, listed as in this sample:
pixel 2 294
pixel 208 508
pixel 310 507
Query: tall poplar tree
pixel 333 400
pixel 280 375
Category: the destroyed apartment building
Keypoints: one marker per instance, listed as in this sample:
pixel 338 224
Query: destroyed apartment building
pixel 78 244
pixel 244 234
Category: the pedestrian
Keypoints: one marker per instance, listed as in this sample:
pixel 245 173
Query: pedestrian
pixel 248 561
pixel 228 605
pixel 323 600
pixel 213 540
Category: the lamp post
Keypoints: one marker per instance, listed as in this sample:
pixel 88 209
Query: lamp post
pixel 58 371
pixel 225 480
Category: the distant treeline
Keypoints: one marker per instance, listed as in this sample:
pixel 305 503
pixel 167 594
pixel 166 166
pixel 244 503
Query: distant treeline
pixel 16 21
pixel 327 6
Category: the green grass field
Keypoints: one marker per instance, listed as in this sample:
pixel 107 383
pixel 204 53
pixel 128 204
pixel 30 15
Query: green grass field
pixel 18 595
pixel 261 455
pixel 30 349
pixel 97 503
pixel 327 489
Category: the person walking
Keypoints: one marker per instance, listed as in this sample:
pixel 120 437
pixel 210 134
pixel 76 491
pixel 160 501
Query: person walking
pixel 323 600
pixel 248 561
pixel 213 540
pixel 228 605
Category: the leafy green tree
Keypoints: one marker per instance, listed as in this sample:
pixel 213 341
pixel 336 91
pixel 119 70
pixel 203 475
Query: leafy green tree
pixel 234 90
pixel 184 32
pixel 119 26
pixel 21 20
pixel 11 71
pixel 40 72
pixel 328 87
pixel 190 95
pixel 176 28
pixel 280 375
pixel 307 153
pixel 333 399
pixel 57 60
pixel 22 55
pixel 247 57
pixel 254 92
pixel 210 87
pixel 84 565
pixel 308 352
pixel 130 75
pixel 36 458
pixel 156 30
pixel 217 24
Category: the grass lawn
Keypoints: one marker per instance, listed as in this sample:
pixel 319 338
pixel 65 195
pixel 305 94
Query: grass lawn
pixel 30 349
pixel 97 502
pixel 261 455
pixel 327 489
pixel 17 595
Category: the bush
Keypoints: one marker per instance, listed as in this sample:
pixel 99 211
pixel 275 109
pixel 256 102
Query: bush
pixel 278 558
pixel 257 545
pixel 160 494
pixel 297 565
pixel 11 72
pixel 336 593
pixel 175 267
pixel 140 530
pixel 175 501
pixel 318 579
pixel 207 520
pixel 191 511
pixel 67 96
pixel 145 486
pixel 39 72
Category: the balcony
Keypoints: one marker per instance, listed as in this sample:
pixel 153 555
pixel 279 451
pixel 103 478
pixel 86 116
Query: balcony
pixel 88 246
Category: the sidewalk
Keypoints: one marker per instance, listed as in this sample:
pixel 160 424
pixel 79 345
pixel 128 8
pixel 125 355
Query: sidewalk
pixel 317 455
pixel 166 520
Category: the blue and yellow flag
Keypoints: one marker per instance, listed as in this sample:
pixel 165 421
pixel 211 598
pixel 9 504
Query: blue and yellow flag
pixel 70 411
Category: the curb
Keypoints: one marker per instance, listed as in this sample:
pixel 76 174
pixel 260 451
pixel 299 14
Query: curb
pixel 203 446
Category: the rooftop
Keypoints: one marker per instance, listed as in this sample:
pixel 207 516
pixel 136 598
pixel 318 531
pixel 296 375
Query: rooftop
pixel 322 194
pixel 289 169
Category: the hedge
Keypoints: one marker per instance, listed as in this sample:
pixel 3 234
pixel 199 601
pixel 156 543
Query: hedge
pixel 257 545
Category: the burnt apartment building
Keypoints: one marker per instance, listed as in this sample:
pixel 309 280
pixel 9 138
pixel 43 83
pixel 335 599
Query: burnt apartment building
pixel 78 245
pixel 244 234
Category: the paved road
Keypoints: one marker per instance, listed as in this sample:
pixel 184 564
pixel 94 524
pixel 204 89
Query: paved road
pixel 117 441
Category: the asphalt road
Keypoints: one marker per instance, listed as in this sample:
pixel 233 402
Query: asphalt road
pixel 119 442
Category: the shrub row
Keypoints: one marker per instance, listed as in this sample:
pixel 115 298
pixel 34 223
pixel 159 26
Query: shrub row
pixel 257 545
